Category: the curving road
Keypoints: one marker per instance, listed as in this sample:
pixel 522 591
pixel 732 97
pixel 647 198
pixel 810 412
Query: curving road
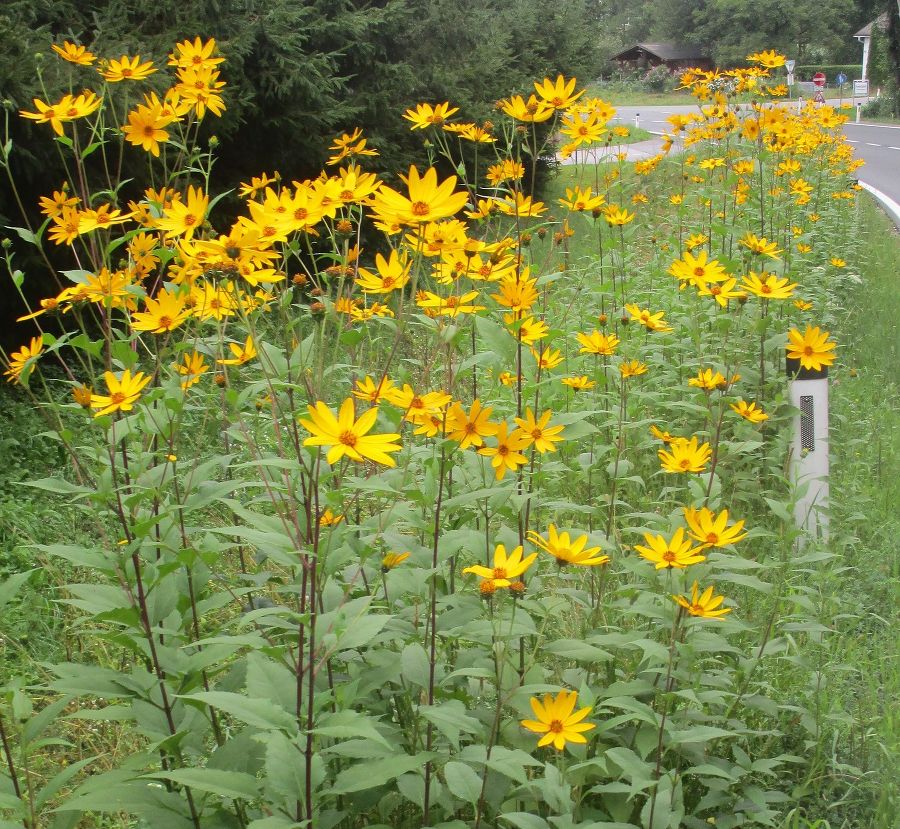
pixel 877 144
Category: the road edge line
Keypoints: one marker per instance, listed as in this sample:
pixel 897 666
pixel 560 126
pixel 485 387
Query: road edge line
pixel 890 206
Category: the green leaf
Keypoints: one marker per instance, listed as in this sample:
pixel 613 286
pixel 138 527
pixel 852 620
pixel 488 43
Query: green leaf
pixel 10 587
pixel 414 665
pixel 451 718
pixel 373 773
pixel 462 781
pixel 525 820
pixel 259 713
pixel 350 724
pixel 234 784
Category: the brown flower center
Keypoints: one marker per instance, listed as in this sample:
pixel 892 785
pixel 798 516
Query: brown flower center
pixel 348 439
pixel 556 727
pixel 420 208
pixel 499 572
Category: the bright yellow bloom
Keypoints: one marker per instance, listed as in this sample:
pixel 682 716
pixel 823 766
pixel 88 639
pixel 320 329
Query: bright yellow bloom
pixel 417 407
pixel 581 129
pixel 721 291
pixel 426 115
pixel 242 353
pixel 329 519
pixel 695 240
pixel 520 205
pixel 676 552
pixel 469 429
pixel 582 200
pixel 101 217
pixel 632 368
pixel 146 126
pixel 506 455
pixel 547 357
pixel 347 436
pixel 392 560
pixel 505 568
pixel 749 411
pixel 651 321
pixel 708 380
pixel 695 270
pixel 768 286
pixel 74 54
pixel 124 392
pixel 528 330
pixel 837 262
pixel 349 145
pixel 617 216
pixel 199 88
pixel 532 111
pixel 192 367
pixel 712 530
pixel 506 170
pixel 81 395
pixel 393 273
pixel 559 93
pixel 802 304
pixel 686 455
pixel 451 306
pixel 517 291
pixel 812 348
pixel 661 434
pixel 703 606
pixel 161 314
pixel 126 69
pixel 578 383
pixel 768 60
pixel 54 205
pixel 557 720
pixel 760 245
pixel 538 432
pixel 567 551
pixel 66 109
pixel 23 359
pixel 802 247
pixel 194 53
pixel 428 201
pixel 597 343
pixel 184 218
pixel 368 390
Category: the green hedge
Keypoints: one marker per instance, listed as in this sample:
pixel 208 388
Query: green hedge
pixel 831 70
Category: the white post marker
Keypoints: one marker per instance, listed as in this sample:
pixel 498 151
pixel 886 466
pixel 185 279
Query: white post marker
pixel 809 450
pixel 858 110
pixel 637 120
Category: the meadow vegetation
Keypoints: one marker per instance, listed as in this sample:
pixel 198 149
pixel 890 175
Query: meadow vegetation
pixel 438 501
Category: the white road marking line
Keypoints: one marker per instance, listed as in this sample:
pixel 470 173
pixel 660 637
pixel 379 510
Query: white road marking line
pixel 887 202
pixel 870 144
pixel 878 126
pixel 894 148
pixel 851 141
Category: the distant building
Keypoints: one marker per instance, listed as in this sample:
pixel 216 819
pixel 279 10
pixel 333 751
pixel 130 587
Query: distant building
pixel 864 36
pixel 676 57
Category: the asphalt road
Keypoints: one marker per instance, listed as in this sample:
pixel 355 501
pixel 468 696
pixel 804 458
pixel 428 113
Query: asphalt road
pixel 878 144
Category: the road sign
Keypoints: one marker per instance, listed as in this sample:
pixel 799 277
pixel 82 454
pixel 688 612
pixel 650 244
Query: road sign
pixel 841 79
pixel 861 87
pixel 819 79
pixel 790 79
pixel 789 65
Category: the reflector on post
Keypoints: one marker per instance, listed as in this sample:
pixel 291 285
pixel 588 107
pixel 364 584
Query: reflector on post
pixel 809 450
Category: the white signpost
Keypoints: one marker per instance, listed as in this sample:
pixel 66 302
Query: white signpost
pixel 861 87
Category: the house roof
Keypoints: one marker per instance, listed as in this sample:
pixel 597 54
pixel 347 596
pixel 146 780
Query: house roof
pixel 881 21
pixel 666 51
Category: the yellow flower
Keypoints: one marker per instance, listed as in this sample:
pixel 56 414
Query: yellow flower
pixel 126 69
pixel 661 434
pixel 426 115
pixel 194 53
pixel 547 357
pixel 54 205
pixel 329 519
pixel 184 218
pixel 505 568
pixel 192 367
pixel 392 560
pixel 768 286
pixel 124 392
pixel 74 54
pixel 347 436
pixel 695 270
pixel 837 262
pixel 506 455
pixel 704 605
pixel 712 530
pixel 802 304
pixel 428 201
pixel 760 245
pixel 23 359
pixel 417 407
pixel 802 247
pixel 651 321
pixel 597 343
pixel 721 291
pixel 695 240
pixel 578 383
pixel 708 380
pixel 567 551
pixel 812 348
pixel 146 126
pixel 451 306
pixel 506 170
pixel 528 330
pixel 81 394
pixel 242 353
pixel 582 200
pixel 557 720
pixel 677 552
pixel 768 60
pixel 393 273
pixel 749 411
pixel 367 389
pixel 161 314
pixel 470 429
pixel 538 432
pixel 559 93
pixel 686 455
pixel 617 216
pixel 632 368
pixel 532 111
pixel 520 205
